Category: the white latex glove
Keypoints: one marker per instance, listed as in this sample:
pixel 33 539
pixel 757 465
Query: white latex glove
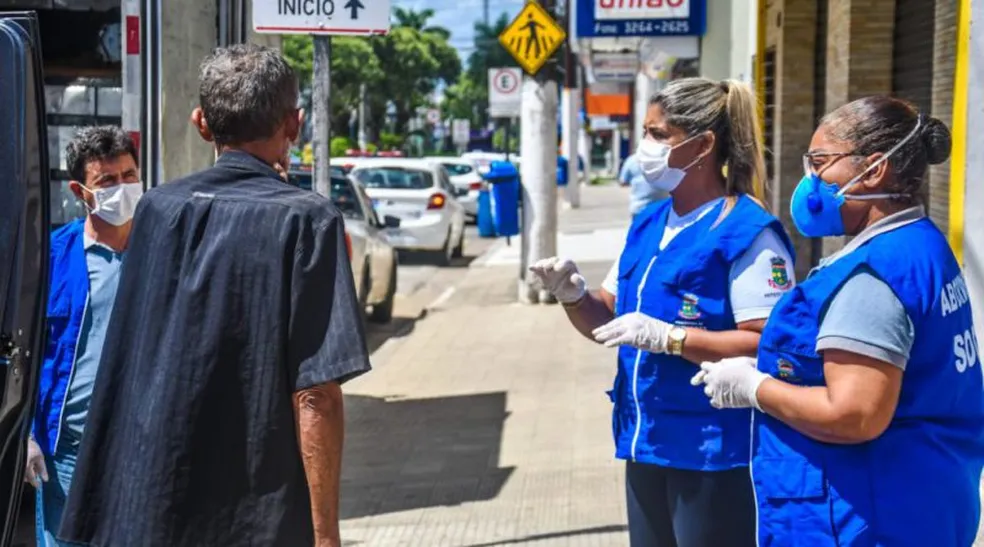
pixel 634 329
pixel 561 278
pixel 731 383
pixel 36 470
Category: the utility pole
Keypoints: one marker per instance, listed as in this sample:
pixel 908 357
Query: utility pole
pixel 485 6
pixel 321 97
pixel 570 107
pixel 538 172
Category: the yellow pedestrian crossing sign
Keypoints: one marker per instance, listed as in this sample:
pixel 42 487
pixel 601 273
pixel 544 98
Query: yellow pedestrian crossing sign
pixel 532 37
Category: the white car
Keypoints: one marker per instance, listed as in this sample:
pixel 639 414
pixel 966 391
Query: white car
pixel 419 193
pixel 483 160
pixel 466 178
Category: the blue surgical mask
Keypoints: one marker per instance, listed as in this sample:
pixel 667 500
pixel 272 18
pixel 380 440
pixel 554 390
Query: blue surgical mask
pixel 815 205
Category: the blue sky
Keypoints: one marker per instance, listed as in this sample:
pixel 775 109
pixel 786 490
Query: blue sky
pixel 459 17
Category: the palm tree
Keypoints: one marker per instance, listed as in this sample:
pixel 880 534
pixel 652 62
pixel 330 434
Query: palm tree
pixel 418 20
pixel 488 53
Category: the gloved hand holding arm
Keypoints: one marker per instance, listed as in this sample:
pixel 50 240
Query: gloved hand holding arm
pixel 731 383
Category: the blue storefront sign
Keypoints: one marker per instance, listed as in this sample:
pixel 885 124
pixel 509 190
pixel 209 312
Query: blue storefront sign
pixel 614 18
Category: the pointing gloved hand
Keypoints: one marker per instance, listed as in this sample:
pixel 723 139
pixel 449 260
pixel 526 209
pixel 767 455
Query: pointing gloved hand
pixel 561 278
pixel 634 329
pixel 731 383
pixel 36 470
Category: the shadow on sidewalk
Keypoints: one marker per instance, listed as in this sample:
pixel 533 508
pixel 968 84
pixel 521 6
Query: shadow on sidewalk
pixel 420 258
pixel 414 453
pixel 377 334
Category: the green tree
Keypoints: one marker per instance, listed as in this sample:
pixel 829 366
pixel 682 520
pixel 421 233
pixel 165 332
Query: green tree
pixel 418 20
pixel 353 63
pixel 299 51
pixel 470 98
pixel 403 67
pixel 462 100
pixel 415 62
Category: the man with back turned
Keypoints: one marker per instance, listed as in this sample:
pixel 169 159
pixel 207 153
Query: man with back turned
pixel 217 417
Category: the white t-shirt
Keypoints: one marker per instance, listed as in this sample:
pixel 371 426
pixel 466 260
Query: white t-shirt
pixel 753 292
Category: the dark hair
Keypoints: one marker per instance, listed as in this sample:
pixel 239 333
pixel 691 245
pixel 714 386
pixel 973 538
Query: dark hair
pixel 97 143
pixel 245 92
pixel 728 109
pixel 877 124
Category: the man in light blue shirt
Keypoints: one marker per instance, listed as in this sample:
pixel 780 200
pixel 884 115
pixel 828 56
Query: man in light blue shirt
pixel 641 193
pixel 86 256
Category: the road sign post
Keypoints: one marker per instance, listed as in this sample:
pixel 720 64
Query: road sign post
pixel 532 38
pixel 460 133
pixel 322 19
pixel 321 97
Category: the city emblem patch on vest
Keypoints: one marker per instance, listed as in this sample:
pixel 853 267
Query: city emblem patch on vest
pixel 786 371
pixel 688 309
pixel 780 277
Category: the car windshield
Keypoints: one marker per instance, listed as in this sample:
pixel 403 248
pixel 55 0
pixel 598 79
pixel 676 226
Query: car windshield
pixel 457 168
pixel 395 178
pixel 342 193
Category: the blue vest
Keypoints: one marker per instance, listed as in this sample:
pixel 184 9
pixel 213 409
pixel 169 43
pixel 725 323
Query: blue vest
pixel 916 484
pixel 658 417
pixel 69 290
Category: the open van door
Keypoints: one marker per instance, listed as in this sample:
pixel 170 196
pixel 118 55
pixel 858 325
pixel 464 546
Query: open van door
pixel 24 211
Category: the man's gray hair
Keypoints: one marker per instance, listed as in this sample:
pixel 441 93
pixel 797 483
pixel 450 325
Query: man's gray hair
pixel 246 91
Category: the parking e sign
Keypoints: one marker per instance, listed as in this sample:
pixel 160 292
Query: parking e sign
pixel 612 18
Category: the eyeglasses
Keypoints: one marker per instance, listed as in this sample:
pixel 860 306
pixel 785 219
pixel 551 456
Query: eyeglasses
pixel 828 157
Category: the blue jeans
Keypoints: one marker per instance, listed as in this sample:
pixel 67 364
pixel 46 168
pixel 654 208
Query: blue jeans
pixel 679 508
pixel 52 494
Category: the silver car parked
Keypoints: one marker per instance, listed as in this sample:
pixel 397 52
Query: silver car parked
pixel 374 261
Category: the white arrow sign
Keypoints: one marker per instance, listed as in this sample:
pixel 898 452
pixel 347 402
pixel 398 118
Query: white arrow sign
pixel 345 17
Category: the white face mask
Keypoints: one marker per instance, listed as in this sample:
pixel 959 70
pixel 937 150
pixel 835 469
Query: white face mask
pixel 116 204
pixel 654 160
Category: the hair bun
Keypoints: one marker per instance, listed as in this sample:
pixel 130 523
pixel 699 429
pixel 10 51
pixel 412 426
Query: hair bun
pixel 935 138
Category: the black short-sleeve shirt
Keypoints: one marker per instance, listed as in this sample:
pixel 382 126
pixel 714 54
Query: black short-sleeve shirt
pixel 235 293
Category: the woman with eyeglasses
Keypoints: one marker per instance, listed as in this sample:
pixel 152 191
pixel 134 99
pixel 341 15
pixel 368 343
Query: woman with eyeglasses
pixel 868 393
pixel 698 276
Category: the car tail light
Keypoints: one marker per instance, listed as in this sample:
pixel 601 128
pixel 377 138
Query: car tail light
pixel 436 201
pixel 475 186
pixel 348 245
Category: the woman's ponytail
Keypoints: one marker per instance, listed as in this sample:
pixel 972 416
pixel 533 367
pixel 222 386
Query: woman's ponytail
pixel 745 160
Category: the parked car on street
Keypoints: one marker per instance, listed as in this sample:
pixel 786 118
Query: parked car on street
pixel 465 177
pixel 418 192
pixel 374 261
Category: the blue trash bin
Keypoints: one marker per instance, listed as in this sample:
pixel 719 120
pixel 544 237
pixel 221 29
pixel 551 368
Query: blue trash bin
pixel 563 171
pixel 486 226
pixel 504 181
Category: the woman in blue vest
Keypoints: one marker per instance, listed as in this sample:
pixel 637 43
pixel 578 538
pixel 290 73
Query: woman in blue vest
pixel 697 277
pixel 868 385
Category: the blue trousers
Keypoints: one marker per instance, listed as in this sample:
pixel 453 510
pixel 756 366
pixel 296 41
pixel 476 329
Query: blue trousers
pixel 679 508
pixel 52 494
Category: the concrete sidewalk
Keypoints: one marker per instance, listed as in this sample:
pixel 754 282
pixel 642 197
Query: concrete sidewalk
pixel 487 424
